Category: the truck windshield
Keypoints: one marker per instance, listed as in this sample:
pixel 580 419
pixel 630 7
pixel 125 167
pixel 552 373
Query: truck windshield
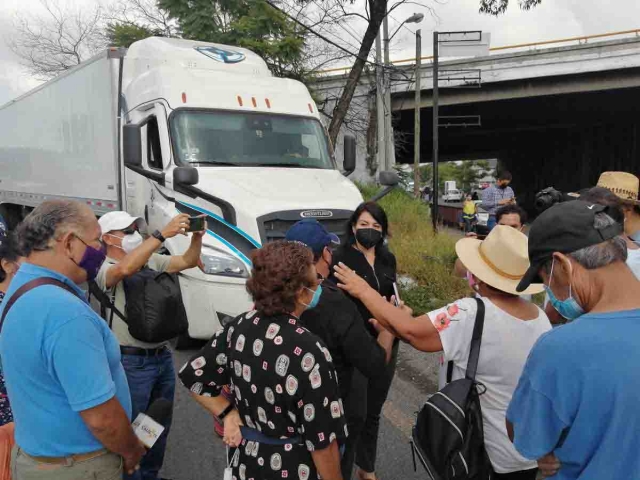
pixel 246 139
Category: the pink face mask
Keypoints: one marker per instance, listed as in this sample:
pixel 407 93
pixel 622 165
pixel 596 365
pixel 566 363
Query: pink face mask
pixel 471 280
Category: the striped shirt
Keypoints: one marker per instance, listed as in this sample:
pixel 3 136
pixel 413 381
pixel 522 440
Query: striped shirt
pixel 492 195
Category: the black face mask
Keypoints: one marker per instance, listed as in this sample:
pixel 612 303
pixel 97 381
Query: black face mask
pixel 368 237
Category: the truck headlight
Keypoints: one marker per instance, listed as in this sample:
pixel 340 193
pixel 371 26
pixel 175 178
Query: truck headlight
pixel 217 262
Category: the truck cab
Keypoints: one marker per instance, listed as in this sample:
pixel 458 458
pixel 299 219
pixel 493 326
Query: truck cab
pixel 209 131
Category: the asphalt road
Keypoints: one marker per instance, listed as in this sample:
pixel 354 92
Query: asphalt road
pixel 194 451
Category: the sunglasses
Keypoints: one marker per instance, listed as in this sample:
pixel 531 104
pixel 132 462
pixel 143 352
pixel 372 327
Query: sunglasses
pixel 129 230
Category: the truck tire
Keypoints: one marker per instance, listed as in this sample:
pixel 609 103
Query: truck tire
pixel 11 215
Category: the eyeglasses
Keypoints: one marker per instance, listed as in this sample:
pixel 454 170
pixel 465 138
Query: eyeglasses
pixel 130 230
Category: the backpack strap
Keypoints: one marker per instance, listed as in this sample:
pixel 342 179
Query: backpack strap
pixel 449 371
pixel 476 340
pixel 105 302
pixel 37 282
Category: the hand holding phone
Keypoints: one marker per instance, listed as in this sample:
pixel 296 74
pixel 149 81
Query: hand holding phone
pixel 197 224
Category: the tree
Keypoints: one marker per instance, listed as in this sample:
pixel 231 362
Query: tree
pixel 498 7
pixel 121 34
pixel 57 39
pixel 133 20
pixel 466 174
pixel 251 24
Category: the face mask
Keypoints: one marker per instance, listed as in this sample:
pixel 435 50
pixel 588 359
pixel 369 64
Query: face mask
pixel 569 308
pixel 316 298
pixel 131 242
pixel 633 262
pixel 471 281
pixel 502 186
pixel 91 261
pixel 368 237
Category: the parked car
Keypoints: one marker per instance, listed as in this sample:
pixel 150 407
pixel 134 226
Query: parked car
pixel 453 195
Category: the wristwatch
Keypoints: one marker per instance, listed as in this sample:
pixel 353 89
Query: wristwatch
pixel 158 235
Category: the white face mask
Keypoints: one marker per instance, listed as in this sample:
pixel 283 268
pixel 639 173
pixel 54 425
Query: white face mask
pixel 130 242
pixel 633 261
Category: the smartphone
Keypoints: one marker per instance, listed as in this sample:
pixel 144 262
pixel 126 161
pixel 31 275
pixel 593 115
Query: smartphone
pixel 197 224
pixel 396 293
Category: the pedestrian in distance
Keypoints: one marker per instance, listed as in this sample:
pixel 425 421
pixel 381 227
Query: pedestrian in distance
pixel 338 323
pixel 511 328
pixel 365 251
pixel 576 413
pixel 286 417
pixel 148 366
pixel 469 214
pixel 62 364
pixel 497 196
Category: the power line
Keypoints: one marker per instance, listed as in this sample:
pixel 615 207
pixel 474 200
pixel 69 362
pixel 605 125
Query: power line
pixel 323 37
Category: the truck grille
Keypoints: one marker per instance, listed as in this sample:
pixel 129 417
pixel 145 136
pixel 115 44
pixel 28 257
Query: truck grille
pixel 274 226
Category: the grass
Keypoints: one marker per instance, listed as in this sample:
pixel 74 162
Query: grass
pixel 426 257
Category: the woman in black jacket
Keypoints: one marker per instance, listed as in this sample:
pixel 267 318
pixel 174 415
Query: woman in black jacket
pixel 366 253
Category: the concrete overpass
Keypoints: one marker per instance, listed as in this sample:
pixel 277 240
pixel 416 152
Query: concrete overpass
pixel 553 116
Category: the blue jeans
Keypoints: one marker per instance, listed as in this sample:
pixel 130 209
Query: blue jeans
pixel 150 378
pixel 491 223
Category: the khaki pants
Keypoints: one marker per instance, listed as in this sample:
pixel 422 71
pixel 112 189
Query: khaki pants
pixel 104 467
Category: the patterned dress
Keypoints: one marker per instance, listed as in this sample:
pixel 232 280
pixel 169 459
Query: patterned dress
pixel 6 416
pixel 284 386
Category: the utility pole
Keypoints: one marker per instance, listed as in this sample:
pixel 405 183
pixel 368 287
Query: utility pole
pixel 416 128
pixel 435 193
pixel 388 129
pixel 380 130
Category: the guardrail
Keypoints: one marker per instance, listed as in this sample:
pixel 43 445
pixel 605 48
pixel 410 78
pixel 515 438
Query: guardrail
pixel 581 40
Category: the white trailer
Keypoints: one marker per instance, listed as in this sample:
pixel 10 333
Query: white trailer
pixel 175 126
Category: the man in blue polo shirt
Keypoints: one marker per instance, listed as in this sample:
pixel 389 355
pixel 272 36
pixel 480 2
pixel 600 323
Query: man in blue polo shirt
pixel 576 405
pixel 61 362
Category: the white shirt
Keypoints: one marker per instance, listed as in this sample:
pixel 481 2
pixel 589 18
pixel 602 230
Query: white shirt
pixel 157 262
pixel 506 343
pixel 633 261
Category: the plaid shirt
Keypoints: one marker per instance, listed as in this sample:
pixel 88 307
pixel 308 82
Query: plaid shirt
pixel 492 195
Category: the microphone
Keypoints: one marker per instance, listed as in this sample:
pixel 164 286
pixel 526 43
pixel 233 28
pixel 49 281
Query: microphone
pixel 149 426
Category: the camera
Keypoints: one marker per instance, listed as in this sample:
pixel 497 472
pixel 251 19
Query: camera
pixel 549 197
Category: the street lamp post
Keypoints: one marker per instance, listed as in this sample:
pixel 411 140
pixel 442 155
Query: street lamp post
pixel 385 155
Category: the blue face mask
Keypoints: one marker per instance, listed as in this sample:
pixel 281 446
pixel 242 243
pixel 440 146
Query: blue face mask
pixel 315 299
pixel 568 308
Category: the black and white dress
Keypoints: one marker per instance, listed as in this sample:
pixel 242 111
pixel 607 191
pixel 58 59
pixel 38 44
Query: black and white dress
pixel 284 386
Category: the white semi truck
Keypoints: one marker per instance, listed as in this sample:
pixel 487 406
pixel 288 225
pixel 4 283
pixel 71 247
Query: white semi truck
pixel 172 126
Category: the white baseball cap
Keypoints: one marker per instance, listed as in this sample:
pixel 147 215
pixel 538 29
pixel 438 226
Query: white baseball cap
pixel 118 221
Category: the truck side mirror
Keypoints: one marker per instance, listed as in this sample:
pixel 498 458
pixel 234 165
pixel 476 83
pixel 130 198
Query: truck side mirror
pixel 349 164
pixel 389 178
pixel 186 176
pixel 132 144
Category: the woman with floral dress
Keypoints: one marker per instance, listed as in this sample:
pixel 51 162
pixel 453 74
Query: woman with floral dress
pixel 286 415
pixel 8 267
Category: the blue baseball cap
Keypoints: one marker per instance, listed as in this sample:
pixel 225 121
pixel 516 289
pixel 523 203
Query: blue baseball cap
pixel 311 232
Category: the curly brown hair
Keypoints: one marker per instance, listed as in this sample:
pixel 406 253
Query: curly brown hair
pixel 280 270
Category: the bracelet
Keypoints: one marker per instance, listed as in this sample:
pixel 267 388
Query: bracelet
pixel 226 411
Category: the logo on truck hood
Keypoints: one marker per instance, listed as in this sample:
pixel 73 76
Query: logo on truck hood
pixel 220 55
pixel 316 214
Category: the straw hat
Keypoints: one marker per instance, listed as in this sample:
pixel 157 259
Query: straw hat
pixel 624 185
pixel 500 260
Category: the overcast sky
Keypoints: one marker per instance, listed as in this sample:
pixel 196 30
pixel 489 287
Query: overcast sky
pixel 553 19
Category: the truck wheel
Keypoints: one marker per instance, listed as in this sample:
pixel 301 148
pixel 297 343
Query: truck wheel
pixel 185 342
pixel 11 215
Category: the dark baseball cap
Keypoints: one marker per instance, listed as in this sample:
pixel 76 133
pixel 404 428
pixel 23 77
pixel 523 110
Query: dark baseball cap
pixel 566 228
pixel 311 232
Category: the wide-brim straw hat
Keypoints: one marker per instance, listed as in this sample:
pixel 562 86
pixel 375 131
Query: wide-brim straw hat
pixel 500 260
pixel 624 185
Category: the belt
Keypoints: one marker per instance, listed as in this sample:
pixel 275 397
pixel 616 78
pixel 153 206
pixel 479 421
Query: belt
pixel 144 352
pixel 253 435
pixel 69 460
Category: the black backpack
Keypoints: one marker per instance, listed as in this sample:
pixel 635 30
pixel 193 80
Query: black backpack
pixel 448 436
pixel 154 308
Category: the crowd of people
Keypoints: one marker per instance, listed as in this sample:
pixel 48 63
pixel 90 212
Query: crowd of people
pixel 298 383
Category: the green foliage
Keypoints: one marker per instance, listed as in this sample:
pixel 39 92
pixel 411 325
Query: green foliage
pixel 121 34
pixel 466 174
pixel 426 257
pixel 251 24
pixel 498 7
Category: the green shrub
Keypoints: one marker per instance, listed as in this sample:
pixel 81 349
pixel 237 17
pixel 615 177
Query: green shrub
pixel 426 257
